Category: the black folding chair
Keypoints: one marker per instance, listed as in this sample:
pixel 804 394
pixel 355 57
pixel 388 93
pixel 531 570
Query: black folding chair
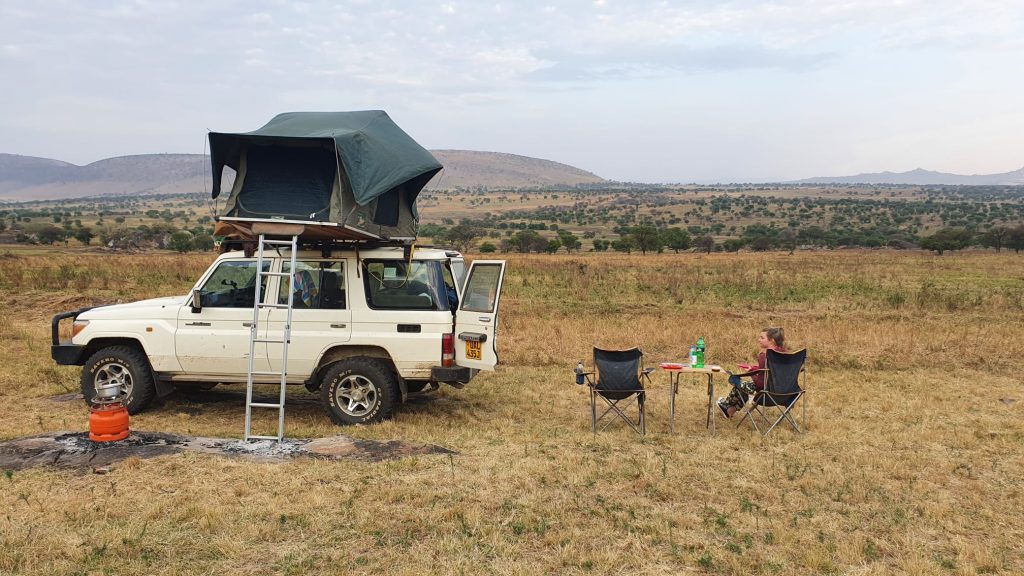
pixel 782 391
pixel 617 377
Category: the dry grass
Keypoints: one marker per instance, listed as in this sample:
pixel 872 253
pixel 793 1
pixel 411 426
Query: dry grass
pixel 912 465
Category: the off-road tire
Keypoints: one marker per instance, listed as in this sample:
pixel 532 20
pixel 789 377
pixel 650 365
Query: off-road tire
pixel 359 391
pixel 127 364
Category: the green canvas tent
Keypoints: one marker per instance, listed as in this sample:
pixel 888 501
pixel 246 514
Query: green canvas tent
pixel 347 175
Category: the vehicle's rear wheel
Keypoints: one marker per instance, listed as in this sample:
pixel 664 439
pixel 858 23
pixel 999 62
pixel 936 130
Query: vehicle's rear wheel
pixel 359 391
pixel 125 366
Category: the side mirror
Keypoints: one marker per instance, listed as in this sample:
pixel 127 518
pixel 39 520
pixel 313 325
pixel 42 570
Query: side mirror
pixel 197 300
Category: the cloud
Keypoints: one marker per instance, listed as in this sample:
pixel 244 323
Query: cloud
pixel 486 71
pixel 259 18
pixel 12 51
pixel 660 60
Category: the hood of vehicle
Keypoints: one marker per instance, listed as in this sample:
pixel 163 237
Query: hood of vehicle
pixel 154 308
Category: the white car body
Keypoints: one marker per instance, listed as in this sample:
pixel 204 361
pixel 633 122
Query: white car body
pixel 204 336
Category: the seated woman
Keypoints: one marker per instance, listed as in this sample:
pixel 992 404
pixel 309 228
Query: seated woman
pixel 769 339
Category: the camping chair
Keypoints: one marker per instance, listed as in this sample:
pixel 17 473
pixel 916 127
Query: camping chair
pixel 617 377
pixel 781 391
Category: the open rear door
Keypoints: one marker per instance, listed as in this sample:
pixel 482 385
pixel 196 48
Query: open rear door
pixel 476 324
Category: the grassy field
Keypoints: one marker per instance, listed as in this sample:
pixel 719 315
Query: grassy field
pixel 912 465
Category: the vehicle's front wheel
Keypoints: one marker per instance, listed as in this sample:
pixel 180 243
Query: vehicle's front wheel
pixel 359 391
pixel 122 365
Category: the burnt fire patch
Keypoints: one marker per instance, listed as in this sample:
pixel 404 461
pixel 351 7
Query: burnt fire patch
pixel 74 450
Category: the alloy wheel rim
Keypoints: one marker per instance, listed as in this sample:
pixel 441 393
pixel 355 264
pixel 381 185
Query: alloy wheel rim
pixel 356 395
pixel 114 373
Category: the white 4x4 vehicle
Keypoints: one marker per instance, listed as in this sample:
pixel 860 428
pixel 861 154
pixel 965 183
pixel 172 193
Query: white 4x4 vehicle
pixel 369 325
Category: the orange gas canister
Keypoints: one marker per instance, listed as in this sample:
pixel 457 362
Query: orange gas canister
pixel 108 423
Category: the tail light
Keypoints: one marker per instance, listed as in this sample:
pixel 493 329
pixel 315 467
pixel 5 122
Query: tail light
pixel 447 350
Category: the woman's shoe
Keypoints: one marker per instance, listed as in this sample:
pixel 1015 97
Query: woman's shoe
pixel 723 407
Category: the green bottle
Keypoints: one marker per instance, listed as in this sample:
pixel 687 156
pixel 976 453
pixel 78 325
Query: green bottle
pixel 700 352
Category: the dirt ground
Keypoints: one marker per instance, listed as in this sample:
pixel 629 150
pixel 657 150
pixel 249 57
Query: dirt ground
pixel 74 450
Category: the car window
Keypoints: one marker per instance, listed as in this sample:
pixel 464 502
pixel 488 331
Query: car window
pixel 318 285
pixel 450 288
pixel 482 289
pixel 232 285
pixel 459 269
pixel 401 285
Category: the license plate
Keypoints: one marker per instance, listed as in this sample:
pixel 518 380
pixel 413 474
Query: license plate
pixel 474 351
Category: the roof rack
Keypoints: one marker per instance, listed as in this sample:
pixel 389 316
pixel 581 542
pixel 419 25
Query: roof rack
pixel 324 246
pixel 238 233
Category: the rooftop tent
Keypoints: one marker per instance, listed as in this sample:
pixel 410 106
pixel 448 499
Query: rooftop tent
pixel 355 174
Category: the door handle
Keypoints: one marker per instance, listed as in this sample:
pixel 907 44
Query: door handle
pixel 484 318
pixel 247 324
pixel 197 323
pixel 339 325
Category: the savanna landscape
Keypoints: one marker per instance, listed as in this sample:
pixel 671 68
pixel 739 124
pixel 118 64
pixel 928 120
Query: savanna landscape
pixel 653 174
pixel 911 463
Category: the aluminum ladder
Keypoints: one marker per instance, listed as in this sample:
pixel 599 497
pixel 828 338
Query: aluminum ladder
pixel 254 335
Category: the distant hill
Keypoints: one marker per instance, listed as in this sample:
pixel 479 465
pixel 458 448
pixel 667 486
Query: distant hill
pixel 468 169
pixel 922 177
pixel 30 178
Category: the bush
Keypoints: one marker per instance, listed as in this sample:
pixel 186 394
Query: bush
pixel 203 242
pixel 947 239
pixel 732 245
pixel 181 242
pixel 84 235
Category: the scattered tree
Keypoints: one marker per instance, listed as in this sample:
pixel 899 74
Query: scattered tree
pixel 995 237
pixel 947 239
pixel 732 245
pixel 706 243
pixel 1015 239
pixel 432 231
pixel 787 239
pixel 528 241
pixel 569 240
pixel 181 241
pixel 202 242
pixel 463 235
pixel 676 238
pixel 646 237
pixel 84 235
pixel 49 234
pixel 624 244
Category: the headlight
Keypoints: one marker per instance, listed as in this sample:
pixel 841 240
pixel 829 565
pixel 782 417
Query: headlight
pixel 78 326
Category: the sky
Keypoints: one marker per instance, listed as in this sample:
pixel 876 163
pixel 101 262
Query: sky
pixel 637 91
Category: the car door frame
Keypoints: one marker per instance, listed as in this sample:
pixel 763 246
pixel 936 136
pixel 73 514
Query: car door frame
pixel 313 330
pixel 476 322
pixel 211 328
